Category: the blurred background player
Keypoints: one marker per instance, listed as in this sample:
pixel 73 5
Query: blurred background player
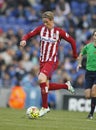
pixel 50 37
pixel 90 77
pixel 17 97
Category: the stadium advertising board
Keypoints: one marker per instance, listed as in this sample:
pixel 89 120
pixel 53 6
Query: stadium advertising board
pixel 76 103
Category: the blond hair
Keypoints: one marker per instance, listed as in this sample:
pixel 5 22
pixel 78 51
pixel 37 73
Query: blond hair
pixel 48 14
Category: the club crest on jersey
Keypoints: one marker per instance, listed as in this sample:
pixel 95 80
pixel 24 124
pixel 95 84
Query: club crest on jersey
pixel 67 35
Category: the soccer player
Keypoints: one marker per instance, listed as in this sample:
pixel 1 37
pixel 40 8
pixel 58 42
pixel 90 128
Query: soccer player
pixel 50 37
pixel 90 76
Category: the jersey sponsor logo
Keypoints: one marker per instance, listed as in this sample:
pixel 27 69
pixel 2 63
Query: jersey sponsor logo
pixel 48 39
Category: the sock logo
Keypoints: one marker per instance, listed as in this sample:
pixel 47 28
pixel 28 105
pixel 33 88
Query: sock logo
pixel 46 89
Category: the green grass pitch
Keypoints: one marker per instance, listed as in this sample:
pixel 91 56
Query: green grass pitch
pixel 11 119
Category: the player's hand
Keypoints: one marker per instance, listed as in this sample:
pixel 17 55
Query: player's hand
pixel 78 67
pixel 23 43
pixel 75 56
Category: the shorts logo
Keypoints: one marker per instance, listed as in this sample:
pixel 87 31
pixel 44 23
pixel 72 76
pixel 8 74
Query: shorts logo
pixel 45 71
pixel 46 89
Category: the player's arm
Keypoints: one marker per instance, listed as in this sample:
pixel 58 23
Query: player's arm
pixel 80 57
pixel 29 35
pixel 69 39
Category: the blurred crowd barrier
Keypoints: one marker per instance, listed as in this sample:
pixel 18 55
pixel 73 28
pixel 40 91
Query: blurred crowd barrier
pixel 64 100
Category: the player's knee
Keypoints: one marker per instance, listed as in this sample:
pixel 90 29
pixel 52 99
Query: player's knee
pixel 41 78
pixel 87 93
pixel 93 94
pixel 93 91
pixel 87 96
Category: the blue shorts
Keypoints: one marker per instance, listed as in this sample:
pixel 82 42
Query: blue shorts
pixel 90 79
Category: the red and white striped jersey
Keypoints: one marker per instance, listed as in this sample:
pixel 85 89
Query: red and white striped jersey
pixel 49 42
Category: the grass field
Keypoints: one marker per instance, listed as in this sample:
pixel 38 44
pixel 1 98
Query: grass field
pixel 55 120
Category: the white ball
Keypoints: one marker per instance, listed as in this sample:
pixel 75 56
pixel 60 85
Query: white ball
pixel 32 112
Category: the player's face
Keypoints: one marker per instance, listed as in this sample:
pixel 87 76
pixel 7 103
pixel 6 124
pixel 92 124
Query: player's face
pixel 48 23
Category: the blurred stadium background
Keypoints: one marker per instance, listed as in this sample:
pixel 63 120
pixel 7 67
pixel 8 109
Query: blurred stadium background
pixel 77 17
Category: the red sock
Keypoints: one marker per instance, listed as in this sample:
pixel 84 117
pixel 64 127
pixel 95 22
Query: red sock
pixel 55 86
pixel 44 93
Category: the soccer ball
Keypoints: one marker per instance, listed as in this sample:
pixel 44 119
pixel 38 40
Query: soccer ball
pixel 32 112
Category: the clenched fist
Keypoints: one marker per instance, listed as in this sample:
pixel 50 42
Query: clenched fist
pixel 23 43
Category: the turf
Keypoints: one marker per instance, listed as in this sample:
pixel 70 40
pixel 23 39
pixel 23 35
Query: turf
pixel 11 119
